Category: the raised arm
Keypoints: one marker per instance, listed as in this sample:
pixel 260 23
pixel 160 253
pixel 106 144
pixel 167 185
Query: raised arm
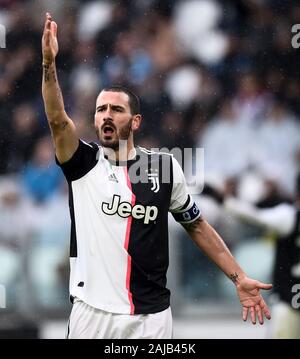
pixel 248 289
pixel 62 127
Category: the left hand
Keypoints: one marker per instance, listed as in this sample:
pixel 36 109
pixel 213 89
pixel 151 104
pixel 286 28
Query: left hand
pixel 250 298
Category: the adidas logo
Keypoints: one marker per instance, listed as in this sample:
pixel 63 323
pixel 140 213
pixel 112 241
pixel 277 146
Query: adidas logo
pixel 112 177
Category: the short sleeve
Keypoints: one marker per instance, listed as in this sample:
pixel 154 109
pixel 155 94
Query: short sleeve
pixel 82 161
pixel 182 206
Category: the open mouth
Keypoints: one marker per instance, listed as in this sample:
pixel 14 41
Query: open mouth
pixel 108 130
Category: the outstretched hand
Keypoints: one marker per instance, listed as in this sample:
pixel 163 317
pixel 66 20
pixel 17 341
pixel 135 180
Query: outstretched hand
pixel 49 40
pixel 251 299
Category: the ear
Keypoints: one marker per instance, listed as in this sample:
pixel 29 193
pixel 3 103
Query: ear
pixel 136 122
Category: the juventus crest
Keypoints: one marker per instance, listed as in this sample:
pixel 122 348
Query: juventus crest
pixel 154 179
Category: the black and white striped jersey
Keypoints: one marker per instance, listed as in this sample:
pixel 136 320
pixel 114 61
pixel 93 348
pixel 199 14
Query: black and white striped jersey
pixel 119 227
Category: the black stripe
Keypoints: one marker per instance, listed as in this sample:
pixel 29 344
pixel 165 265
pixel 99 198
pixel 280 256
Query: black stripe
pixel 68 331
pixel 148 245
pixel 82 161
pixel 186 204
pixel 172 175
pixel 73 239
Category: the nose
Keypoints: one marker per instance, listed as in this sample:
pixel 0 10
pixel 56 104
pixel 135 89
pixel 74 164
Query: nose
pixel 108 112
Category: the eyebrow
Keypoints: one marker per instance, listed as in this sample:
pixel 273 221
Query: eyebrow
pixel 112 106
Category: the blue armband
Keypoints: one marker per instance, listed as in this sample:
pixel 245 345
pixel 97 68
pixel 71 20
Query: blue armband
pixel 187 216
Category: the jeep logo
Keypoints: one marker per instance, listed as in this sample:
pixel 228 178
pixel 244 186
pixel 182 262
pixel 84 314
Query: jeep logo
pixel 125 209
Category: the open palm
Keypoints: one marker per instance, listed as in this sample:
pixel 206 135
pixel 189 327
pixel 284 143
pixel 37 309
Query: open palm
pixel 251 299
pixel 49 40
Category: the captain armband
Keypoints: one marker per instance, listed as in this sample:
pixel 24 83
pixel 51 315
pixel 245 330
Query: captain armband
pixel 187 215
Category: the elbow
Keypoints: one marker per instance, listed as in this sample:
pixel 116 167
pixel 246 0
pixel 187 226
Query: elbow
pixel 57 124
pixel 55 118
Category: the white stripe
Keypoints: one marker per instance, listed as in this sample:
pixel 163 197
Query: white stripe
pixel 149 152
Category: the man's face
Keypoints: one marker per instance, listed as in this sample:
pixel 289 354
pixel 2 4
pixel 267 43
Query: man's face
pixel 113 118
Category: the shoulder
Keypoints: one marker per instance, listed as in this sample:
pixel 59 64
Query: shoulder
pixel 153 152
pixel 83 160
pixel 165 160
pixel 156 154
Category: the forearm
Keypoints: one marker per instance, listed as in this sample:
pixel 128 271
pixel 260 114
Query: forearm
pixel 62 128
pixel 208 240
pixel 52 95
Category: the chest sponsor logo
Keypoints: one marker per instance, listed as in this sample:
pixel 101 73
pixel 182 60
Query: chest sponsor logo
pixel 125 209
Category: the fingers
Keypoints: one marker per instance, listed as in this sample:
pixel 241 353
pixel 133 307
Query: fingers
pixel 47 26
pixel 254 311
pixel 49 29
pixel 259 314
pixel 253 315
pixel 261 285
pixel 54 28
pixel 260 310
pixel 50 24
pixel 48 21
pixel 265 309
pixel 47 37
pixel 245 313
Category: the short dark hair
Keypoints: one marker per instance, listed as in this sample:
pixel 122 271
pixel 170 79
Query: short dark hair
pixel 134 101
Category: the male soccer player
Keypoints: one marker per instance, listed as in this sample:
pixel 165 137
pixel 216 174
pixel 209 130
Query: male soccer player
pixel 119 232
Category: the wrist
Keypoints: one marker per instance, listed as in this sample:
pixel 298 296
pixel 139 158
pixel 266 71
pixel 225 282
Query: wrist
pixel 46 63
pixel 236 277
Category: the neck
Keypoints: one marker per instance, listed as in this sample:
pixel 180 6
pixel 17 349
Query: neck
pixel 125 152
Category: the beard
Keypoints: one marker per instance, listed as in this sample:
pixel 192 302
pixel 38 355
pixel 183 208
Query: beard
pixel 113 141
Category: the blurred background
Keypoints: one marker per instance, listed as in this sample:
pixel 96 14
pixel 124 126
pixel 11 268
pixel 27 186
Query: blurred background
pixel 215 74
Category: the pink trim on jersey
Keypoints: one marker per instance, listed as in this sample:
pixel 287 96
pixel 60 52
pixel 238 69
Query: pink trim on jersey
pixel 128 229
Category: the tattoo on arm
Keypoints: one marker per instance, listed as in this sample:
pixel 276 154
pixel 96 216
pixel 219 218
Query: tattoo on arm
pixel 60 126
pixel 64 125
pixel 54 75
pixel 46 73
pixel 234 277
pixel 192 226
